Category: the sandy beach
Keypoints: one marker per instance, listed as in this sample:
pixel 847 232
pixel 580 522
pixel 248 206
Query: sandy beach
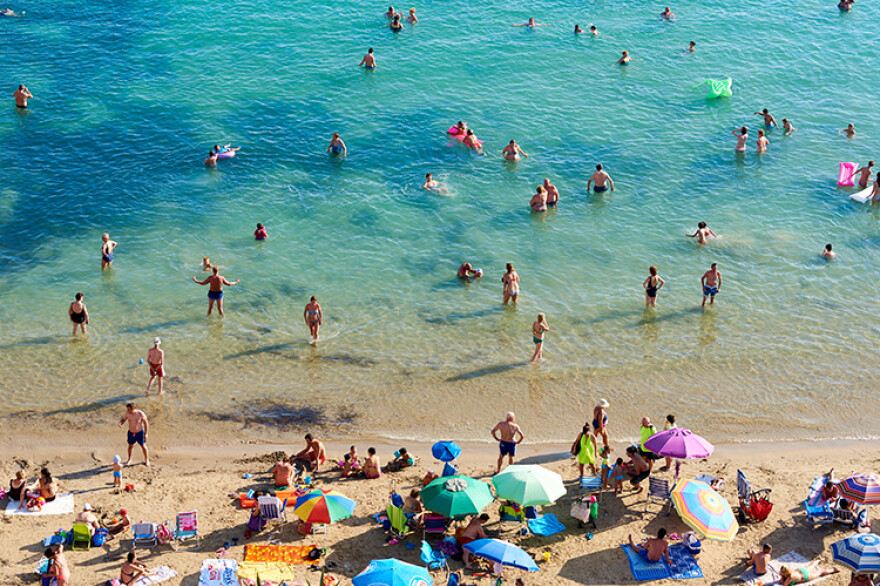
pixel 188 475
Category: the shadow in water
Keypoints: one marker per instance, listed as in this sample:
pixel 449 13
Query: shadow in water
pixel 274 348
pixel 455 317
pixel 489 370
pixel 159 326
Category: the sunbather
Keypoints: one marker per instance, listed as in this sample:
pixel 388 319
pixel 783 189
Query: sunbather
pixel 653 549
pixel 371 464
pixel 87 517
pixel 430 477
pixel 402 459
pixel 132 570
pixel 830 492
pixel 804 574
pixel 759 559
pixel 283 472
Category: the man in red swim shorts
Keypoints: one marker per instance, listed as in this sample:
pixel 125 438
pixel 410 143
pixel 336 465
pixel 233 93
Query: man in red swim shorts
pixel 156 360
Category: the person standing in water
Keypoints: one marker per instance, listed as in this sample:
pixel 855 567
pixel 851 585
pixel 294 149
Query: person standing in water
pixel 578 30
pixel 369 60
pixel 711 282
pixel 260 233
pixel 762 142
pixel 314 317
pixel 538 328
pixel 412 16
pixel 107 247
pixel 78 314
pixel 864 174
pixel 21 96
pixel 652 285
pixel 786 125
pixel 211 161
pixel 875 195
pixel 769 120
pixel 538 203
pixel 702 234
pixel 336 146
pixel 624 59
pixel 512 151
pixel 510 280
pixel 692 47
pixel 742 135
pixel 431 185
pixel 849 131
pixel 599 179
pixel 215 292
pixel 552 193
pixel 156 362
pixel 395 25
pixel 828 254
pixel 667 14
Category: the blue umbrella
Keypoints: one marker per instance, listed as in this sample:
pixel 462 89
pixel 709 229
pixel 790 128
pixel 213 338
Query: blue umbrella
pixel 392 573
pixel 502 552
pixel 859 552
pixel 446 451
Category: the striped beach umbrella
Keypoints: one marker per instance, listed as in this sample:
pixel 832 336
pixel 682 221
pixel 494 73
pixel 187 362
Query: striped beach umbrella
pixel 861 488
pixel 861 553
pixel 323 507
pixel 704 510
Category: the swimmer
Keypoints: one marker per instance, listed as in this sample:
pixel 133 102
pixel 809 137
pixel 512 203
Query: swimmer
pixel 692 47
pixel 742 135
pixel 512 151
pixel 552 193
pixel 215 291
pixel 206 264
pixel 471 141
pixel 577 29
pixel 460 128
pixel 849 131
pixel 314 317
pixel 369 60
pixel 652 285
pixel 787 126
pixel 769 120
pixel 412 16
pixel 78 314
pixel 337 147
pixel 594 31
pixel 531 24
pixel 538 202
pixel 396 25
pixel 828 254
pixel 211 161
pixel 432 185
pixel 702 234
pixel 845 5
pixel 107 247
pixel 667 14
pixel 864 175
pixel 625 59
pixel 21 96
pixel 599 180
pixel 260 233
pixel 391 13
pixel 225 149
pixel 467 271
pixel 510 280
pixel 711 282
pixel 8 12
pixel 762 142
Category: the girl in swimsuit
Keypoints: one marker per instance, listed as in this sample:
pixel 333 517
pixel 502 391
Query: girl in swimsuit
pixel 314 317
pixel 652 284
pixel 803 574
pixel 511 285
pixel 78 314
pixel 538 329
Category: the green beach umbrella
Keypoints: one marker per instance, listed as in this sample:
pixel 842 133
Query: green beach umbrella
pixel 456 496
pixel 529 485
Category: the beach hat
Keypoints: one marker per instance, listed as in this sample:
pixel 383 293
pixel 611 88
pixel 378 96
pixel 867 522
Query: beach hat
pixel 88 507
pixel 117 459
pixel 157 340
pixel 603 403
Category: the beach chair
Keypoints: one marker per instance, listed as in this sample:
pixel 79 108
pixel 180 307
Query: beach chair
pixel 453 580
pixel 186 527
pixel 715 482
pixel 658 491
pixel 843 517
pixel 399 523
pixel 818 515
pixel 82 537
pixel 144 535
pixel 591 485
pixel 434 524
pixel 753 504
pixel 272 509
pixel 432 558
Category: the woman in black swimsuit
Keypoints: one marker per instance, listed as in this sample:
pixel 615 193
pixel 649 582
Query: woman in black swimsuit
pixel 132 569
pixel 652 284
pixel 17 489
pixel 78 313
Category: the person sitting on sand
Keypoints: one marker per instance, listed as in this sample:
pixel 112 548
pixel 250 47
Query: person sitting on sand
pixel 18 489
pixel 58 567
pixel 132 570
pixel 639 468
pixel 702 234
pixel 804 574
pixel 430 476
pixel 349 466
pixel 283 472
pixel 538 203
pixel 531 24
pixel 472 532
pixel 45 488
pixel 402 459
pixel 371 464
pixel 87 517
pixel 512 151
pixel 120 524
pixel 313 455
pixel 759 559
pixel 827 253
pixel 431 185
pixel 653 549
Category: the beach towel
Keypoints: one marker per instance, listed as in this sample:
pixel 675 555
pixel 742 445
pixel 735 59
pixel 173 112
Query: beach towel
pixel 216 572
pixel 546 525
pixel 163 573
pixel 815 499
pixel 272 571
pixel 288 554
pixel 772 576
pixel 684 565
pixel 62 505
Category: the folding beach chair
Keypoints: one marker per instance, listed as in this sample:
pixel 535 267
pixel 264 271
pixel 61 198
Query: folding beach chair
pixel 844 517
pixel 272 509
pixel 753 504
pixel 658 491
pixel 399 522
pixel 187 526
pixel 818 514
pixel 591 485
pixel 144 535
pixel 82 537
pixel 432 558
pixel 434 524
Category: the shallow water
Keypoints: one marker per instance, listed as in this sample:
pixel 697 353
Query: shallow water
pixel 131 97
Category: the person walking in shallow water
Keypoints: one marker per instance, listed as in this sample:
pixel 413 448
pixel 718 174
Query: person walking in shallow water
pixel 314 317
pixel 510 281
pixel 78 314
pixel 107 247
pixel 156 362
pixel 652 285
pixel 215 292
pixel 538 328
pixel 711 282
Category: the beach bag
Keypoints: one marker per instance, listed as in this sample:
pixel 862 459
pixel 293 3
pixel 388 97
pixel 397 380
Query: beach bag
pixel 304 528
pixel 100 537
pixel 580 510
pixel 256 523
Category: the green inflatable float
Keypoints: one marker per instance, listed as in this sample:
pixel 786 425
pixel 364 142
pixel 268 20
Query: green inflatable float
pixel 717 89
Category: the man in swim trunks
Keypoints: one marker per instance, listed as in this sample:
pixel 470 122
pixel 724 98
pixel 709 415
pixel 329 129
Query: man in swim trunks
pixel 107 247
pixel 639 468
pixel 369 60
pixel 467 271
pixel 667 14
pixel 599 180
pixel 864 175
pixel 711 282
pixel 138 429
pixel 431 185
pixel 472 532
pixel 769 120
pixel 282 472
pixel 653 549
pixel 215 292
pixel 313 455
pixel 552 193
pixel 156 362
pixel 702 234
pixel 505 433
pixel 21 96
pixel 759 559
pixel 211 161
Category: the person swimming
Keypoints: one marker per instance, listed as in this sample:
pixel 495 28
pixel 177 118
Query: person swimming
pixel 512 151
pixel 692 46
pixel 531 24
pixel 369 60
pixel 667 14
pixel 473 142
pixel 577 29
pixel 336 146
pixel 431 185
pixel 594 31
pixel 624 59
pixel 786 125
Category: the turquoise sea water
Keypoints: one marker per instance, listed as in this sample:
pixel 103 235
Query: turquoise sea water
pixel 130 97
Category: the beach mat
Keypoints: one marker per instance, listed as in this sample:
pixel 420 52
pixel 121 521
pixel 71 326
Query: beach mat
pixel 772 576
pixel 288 554
pixel 163 573
pixel 546 525
pixel 62 505
pixel 274 571
pixel 218 572
pixel 684 565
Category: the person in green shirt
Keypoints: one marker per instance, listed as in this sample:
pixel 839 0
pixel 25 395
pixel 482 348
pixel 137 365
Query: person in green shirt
pixel 646 432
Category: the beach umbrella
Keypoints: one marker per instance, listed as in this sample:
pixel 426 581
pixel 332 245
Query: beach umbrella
pixel 679 443
pixel 859 552
pixel 704 510
pixel 446 451
pixel 392 573
pixel 861 488
pixel 503 553
pixel 529 485
pixel 323 507
pixel 456 496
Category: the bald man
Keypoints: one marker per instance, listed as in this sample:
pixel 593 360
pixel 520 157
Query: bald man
pixel 505 433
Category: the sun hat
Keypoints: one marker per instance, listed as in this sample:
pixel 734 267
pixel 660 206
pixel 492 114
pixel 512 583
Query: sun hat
pixel 603 403
pixel 157 340
pixel 117 459
pixel 88 507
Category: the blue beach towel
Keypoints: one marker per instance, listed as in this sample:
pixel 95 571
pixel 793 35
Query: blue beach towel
pixel 684 565
pixel 547 525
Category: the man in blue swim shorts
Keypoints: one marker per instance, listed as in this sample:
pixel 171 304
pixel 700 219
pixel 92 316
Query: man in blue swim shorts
pixel 600 180
pixel 505 433
pixel 215 292
pixel 138 428
pixel 711 282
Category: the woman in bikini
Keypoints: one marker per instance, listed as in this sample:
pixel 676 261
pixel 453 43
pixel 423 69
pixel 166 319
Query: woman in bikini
pixel 803 574
pixel 78 314
pixel 371 464
pixel 652 285
pixel 511 285
pixel 314 317
pixel 46 487
pixel 600 421
pixel 132 569
pixel 538 329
